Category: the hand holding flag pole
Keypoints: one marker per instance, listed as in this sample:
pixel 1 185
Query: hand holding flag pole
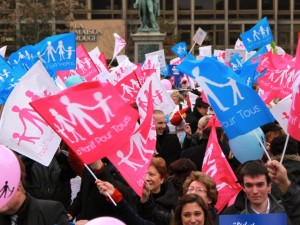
pixel 108 195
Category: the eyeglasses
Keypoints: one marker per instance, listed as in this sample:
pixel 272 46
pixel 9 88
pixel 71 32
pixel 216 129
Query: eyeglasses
pixel 195 189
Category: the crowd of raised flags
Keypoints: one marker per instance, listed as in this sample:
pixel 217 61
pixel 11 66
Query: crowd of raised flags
pixel 96 118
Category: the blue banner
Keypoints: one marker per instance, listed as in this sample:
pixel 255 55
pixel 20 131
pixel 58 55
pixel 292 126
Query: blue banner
pixel 57 52
pixel 254 219
pixel 236 63
pixel 258 36
pixel 180 49
pixel 237 106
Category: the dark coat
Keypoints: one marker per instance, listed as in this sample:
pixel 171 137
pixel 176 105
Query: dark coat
pixel 167 198
pixel 38 212
pixel 193 118
pixel 168 147
pixel 291 202
pixel 242 206
pixel 89 203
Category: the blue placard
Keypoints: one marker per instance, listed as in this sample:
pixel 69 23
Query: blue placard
pixel 254 219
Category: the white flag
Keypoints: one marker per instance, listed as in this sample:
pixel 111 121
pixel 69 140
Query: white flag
pixel 3 51
pixel 22 128
pixel 120 43
pixel 161 99
pixel 199 36
pixel 281 112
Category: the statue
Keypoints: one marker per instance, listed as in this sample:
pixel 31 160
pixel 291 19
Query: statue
pixel 149 11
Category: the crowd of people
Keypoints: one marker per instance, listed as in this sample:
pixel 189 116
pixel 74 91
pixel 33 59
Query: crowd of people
pixel 175 191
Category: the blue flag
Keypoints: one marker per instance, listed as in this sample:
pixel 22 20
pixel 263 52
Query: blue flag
pixel 23 56
pixel 57 52
pixel 9 77
pixel 258 36
pixel 248 72
pixel 236 63
pixel 237 106
pixel 257 219
pixel 177 76
pixel 180 49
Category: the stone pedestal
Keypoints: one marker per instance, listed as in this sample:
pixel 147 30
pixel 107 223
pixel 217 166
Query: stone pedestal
pixel 146 42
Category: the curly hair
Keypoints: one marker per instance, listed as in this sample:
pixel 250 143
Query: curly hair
pixel 207 180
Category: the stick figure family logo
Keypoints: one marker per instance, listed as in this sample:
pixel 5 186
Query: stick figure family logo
pixel 205 82
pixel 28 116
pixel 130 89
pixel 262 33
pixel 6 191
pixel 4 75
pixel 78 116
pixel 52 54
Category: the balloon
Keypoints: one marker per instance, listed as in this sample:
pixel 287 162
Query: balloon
pixel 167 84
pixel 105 221
pixel 247 147
pixel 10 175
pixel 74 79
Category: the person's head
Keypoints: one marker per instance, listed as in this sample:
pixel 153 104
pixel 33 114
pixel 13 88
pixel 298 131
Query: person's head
pixel 201 106
pixel 202 122
pixel 179 170
pixel 176 97
pixel 156 174
pixel 277 145
pixel 19 196
pixel 203 185
pixel 160 122
pixel 271 130
pixel 255 182
pixel 191 209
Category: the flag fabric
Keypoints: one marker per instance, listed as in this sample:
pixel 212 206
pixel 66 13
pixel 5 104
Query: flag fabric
pixel 216 165
pixel 161 99
pixel 294 116
pixel 237 106
pixel 90 117
pixel 236 63
pixel 128 88
pixel 9 77
pixel 121 71
pixel 22 129
pixel 205 51
pixel 57 52
pixel 23 57
pixel 180 49
pixel 143 74
pixel 257 36
pixel 199 36
pixel 96 56
pixel 281 112
pixel 239 45
pixel 120 43
pixel 3 51
pixel 85 66
pixel 133 159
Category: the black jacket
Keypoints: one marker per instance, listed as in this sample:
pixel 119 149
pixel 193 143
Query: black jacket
pixel 291 203
pixel 168 147
pixel 38 212
pixel 49 182
pixel 90 204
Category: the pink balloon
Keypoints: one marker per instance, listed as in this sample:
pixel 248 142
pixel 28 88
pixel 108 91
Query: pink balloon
pixel 10 175
pixel 105 221
pixel 167 84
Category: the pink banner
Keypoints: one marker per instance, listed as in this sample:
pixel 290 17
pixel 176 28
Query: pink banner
pixel 216 165
pixel 91 118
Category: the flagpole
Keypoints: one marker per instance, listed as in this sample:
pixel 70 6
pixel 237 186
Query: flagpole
pixel 262 144
pixel 284 149
pixel 106 193
pixel 192 47
pixel 111 61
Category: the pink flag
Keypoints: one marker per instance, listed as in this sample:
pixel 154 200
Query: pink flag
pixel 133 159
pixel 294 117
pixel 143 74
pixel 216 165
pixel 22 128
pixel 92 119
pixel 128 87
pixel 85 66
pixel 120 43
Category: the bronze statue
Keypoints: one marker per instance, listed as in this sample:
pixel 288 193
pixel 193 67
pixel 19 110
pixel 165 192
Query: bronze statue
pixel 149 11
